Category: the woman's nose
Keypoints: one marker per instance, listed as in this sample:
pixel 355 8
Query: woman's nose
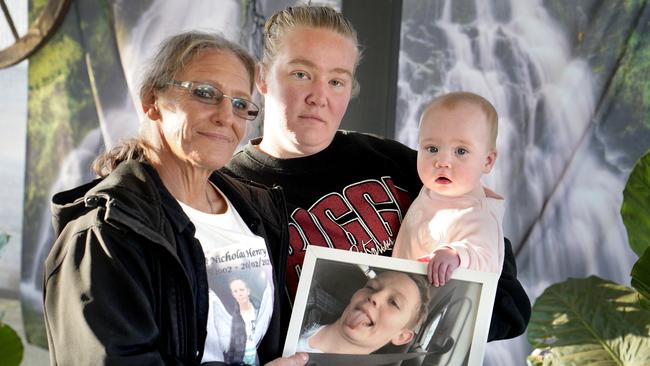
pixel 317 94
pixel 224 113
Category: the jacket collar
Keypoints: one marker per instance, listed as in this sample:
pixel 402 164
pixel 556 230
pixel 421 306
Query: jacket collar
pixel 132 195
pixel 136 189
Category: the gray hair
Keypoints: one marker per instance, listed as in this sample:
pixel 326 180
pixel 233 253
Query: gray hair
pixel 176 51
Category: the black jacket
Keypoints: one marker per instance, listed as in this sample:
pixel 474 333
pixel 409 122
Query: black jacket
pixel 125 282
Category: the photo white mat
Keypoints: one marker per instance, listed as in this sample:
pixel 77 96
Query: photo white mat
pixel 485 297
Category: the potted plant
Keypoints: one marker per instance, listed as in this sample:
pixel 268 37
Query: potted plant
pixel 11 347
pixel 585 321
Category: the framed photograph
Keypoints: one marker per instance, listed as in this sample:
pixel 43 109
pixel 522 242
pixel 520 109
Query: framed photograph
pixel 361 309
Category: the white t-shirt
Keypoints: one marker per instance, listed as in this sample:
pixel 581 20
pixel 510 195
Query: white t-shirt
pixel 303 341
pixel 239 270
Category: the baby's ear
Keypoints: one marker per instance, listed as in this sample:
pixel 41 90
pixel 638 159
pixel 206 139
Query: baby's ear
pixel 404 337
pixel 489 161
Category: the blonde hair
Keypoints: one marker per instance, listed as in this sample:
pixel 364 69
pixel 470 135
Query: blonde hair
pixel 453 99
pixel 174 53
pixel 283 21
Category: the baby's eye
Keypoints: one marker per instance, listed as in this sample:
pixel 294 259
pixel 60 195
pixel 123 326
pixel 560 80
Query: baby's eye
pixel 461 151
pixel 393 303
pixel 431 149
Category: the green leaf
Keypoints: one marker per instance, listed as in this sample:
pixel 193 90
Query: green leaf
pixel 636 205
pixel 589 321
pixel 641 279
pixel 11 347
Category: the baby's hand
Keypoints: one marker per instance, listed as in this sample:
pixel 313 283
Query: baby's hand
pixel 442 263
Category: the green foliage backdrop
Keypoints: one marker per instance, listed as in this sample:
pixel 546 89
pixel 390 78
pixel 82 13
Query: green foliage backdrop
pixel 61 113
pixel 612 37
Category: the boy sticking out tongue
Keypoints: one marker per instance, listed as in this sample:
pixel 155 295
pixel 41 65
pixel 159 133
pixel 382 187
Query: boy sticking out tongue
pixel 389 308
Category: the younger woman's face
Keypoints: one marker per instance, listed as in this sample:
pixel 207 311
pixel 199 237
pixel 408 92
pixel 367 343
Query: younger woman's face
pixel 306 91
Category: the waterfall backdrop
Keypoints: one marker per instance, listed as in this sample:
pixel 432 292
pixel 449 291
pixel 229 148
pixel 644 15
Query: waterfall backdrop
pixel 572 121
pixel 568 79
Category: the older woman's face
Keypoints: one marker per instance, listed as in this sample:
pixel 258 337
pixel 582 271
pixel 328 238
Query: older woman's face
pixel 306 91
pixel 204 135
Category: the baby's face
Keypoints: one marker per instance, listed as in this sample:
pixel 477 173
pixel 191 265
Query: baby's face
pixel 454 150
pixel 382 311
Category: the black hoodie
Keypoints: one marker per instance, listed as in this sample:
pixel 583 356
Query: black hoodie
pixel 125 281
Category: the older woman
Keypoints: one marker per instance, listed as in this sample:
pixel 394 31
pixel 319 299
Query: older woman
pixel 139 249
pixel 344 189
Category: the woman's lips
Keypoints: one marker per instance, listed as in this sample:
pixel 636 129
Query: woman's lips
pixel 216 136
pixel 312 117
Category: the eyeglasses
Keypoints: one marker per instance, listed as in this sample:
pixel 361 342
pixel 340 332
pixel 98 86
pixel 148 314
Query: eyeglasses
pixel 208 94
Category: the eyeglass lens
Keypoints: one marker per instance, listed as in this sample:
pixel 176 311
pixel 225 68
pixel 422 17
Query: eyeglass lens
pixel 212 95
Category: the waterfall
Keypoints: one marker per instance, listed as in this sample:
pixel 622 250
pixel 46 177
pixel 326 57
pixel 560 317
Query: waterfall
pixel 563 198
pixel 138 42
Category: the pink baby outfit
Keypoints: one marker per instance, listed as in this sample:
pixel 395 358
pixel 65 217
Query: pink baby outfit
pixel 470 225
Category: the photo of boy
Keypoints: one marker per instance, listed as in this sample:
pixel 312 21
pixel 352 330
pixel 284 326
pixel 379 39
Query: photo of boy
pixel 455 221
pixel 363 309
pixel 388 309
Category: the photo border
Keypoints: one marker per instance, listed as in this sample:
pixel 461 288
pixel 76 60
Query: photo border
pixel 488 282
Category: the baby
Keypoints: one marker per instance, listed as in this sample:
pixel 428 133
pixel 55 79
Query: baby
pixel 455 221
